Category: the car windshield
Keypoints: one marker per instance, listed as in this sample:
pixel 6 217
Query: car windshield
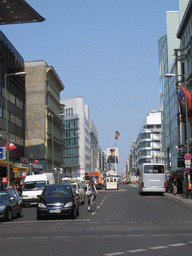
pixel 3 196
pixel 57 190
pixel 34 185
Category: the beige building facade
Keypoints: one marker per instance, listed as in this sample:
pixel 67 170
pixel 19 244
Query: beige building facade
pixel 44 139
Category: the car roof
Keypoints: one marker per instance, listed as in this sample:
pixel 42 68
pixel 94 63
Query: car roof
pixel 63 184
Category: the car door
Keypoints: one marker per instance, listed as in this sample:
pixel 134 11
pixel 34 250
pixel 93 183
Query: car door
pixel 75 198
pixel 80 193
pixel 12 201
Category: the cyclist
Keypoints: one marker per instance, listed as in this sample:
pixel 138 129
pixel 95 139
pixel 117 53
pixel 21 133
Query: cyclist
pixel 91 188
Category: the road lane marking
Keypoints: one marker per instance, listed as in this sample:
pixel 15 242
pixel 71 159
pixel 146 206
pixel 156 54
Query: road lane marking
pixel 61 236
pixel 174 245
pixel 111 235
pixel 43 221
pixel 137 250
pixel 38 237
pixel 114 254
pixel 11 238
pixel 158 247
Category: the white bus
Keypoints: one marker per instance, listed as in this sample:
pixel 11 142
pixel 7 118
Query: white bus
pixel 152 178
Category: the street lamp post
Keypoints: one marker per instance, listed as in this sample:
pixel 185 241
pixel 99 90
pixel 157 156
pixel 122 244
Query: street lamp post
pixel 6 118
pixel 187 122
pixel 186 113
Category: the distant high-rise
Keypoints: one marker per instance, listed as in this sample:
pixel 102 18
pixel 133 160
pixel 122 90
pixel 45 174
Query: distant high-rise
pixel 77 137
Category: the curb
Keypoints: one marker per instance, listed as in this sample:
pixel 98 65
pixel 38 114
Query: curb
pixel 179 198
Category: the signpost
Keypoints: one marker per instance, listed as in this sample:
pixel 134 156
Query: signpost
pixel 2 153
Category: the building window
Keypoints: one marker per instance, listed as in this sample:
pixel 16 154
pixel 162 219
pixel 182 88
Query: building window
pixel 1 112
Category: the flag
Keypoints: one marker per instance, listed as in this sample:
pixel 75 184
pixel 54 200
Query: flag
pixel 189 96
pixel 11 146
pixel 182 101
pixel 116 135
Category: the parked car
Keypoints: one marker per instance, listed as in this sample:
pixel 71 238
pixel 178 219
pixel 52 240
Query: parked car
pixel 79 191
pixel 58 199
pixel 10 204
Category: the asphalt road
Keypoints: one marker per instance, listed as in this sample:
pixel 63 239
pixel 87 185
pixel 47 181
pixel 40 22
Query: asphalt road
pixel 124 223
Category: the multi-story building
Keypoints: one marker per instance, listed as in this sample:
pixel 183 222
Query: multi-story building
pixel 101 162
pixel 94 146
pixel 11 62
pixel 148 143
pixel 173 124
pixel 132 160
pixel 77 137
pixel 168 97
pixel 44 126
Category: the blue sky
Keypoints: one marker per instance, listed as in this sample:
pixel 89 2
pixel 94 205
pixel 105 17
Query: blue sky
pixel 105 51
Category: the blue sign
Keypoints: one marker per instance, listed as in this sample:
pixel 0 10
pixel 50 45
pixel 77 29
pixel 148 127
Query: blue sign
pixel 2 153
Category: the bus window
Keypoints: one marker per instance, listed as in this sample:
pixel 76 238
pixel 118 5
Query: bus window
pixel 153 169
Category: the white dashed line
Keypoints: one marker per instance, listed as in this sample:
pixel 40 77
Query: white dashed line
pixel 158 247
pixel 137 250
pixel 174 245
pixel 114 254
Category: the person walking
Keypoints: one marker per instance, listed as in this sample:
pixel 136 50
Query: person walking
pixel 91 189
pixel 175 183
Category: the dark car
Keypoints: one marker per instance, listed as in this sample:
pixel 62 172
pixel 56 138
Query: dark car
pixel 58 199
pixel 10 204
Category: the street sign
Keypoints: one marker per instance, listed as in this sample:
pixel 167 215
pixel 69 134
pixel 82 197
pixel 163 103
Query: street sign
pixel 2 153
pixel 187 156
pixel 187 170
pixel 187 163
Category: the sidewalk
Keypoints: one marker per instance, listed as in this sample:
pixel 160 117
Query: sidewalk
pixel 179 197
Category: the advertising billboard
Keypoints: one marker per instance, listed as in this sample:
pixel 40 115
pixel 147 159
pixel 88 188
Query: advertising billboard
pixel 112 157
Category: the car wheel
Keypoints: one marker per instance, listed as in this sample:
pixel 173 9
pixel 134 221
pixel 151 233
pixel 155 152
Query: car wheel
pixel 9 215
pixel 20 213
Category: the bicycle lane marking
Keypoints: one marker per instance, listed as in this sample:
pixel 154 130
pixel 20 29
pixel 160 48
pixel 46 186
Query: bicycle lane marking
pixel 99 205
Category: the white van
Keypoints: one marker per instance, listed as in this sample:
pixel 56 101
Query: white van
pixel 33 186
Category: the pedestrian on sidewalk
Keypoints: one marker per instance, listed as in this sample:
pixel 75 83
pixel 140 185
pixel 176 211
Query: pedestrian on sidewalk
pixel 175 184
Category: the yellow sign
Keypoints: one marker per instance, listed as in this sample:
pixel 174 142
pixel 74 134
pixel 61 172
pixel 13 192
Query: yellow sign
pixel 15 169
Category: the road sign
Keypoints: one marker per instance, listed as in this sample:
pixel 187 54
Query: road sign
pixel 187 163
pixel 187 156
pixel 187 170
pixel 2 153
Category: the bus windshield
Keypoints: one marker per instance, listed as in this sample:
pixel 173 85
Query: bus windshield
pixel 153 169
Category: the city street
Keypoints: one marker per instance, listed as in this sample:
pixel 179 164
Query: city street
pixel 124 223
